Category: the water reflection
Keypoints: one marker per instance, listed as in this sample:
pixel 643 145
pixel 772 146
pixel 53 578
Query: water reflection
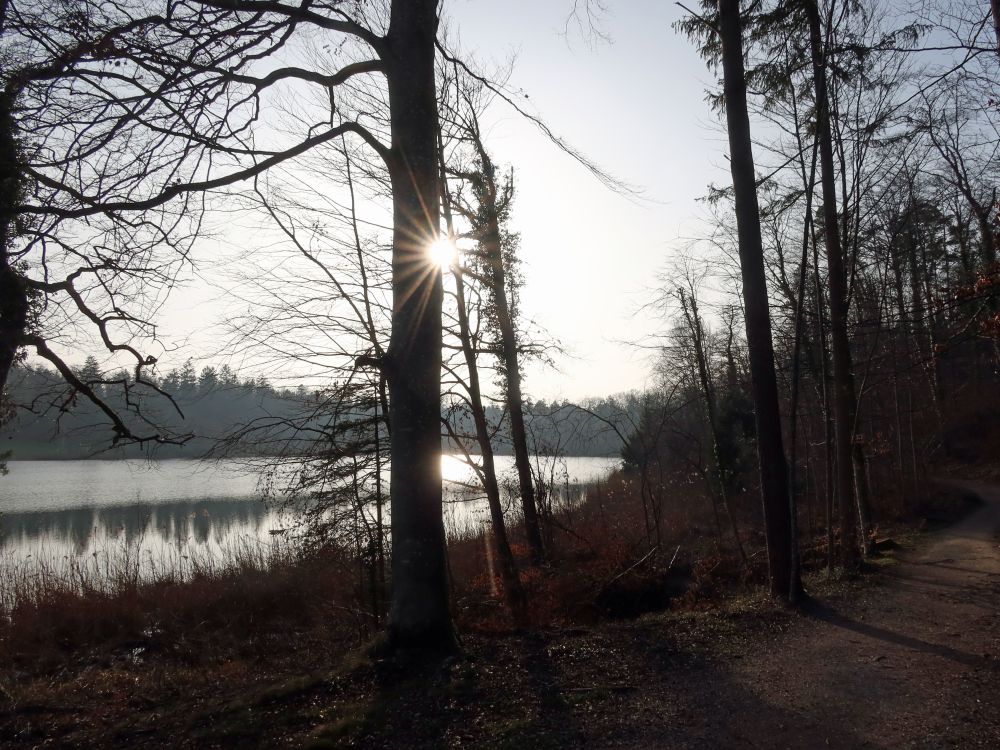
pixel 80 531
pixel 178 523
pixel 53 512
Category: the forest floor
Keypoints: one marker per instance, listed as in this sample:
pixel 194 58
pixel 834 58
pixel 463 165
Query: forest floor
pixel 907 656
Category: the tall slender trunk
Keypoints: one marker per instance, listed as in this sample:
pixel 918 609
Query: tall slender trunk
pixel 843 375
pixel 811 497
pixel 796 376
pixel 828 439
pixel 913 448
pixel 986 236
pixel 901 360
pixel 859 462
pixel 419 616
pixel 379 502
pixel 513 591
pixel 920 323
pixel 770 450
pixel 898 420
pixel 712 496
pixel 964 252
pixel 723 473
pixel 995 7
pixel 493 251
pixel 800 300
pixel 518 434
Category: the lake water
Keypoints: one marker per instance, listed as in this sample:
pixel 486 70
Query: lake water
pixel 169 514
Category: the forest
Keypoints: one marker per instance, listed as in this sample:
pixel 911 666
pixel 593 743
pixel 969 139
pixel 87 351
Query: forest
pixel 798 545
pixel 218 410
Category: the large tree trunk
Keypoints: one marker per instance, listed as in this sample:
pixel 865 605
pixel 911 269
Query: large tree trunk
pixel 13 293
pixel 770 450
pixel 843 375
pixel 419 617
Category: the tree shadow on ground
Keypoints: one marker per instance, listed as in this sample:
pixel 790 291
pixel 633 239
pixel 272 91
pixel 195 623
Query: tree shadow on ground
pixel 717 705
pixel 631 686
pixel 979 592
pixel 824 613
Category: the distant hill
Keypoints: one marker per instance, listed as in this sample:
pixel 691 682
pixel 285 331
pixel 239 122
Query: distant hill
pixel 51 422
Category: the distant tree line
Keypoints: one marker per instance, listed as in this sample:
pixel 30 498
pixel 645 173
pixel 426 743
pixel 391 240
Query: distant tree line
pixel 216 407
pixel 53 421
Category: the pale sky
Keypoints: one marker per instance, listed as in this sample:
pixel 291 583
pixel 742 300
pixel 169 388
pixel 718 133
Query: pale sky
pixel 635 106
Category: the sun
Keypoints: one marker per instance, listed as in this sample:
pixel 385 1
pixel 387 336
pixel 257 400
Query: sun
pixel 442 252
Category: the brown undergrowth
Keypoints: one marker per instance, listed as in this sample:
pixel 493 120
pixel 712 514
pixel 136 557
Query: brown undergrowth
pixel 52 619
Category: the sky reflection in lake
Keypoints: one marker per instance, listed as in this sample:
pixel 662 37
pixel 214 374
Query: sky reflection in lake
pixel 55 511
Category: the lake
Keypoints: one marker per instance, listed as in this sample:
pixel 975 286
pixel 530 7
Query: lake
pixel 176 513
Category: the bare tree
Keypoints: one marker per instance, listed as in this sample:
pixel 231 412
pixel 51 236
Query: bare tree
pixel 771 455
pixel 486 210
pixel 470 342
pixel 724 479
pixel 164 99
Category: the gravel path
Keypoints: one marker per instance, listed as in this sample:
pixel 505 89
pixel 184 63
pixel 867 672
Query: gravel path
pixel 916 665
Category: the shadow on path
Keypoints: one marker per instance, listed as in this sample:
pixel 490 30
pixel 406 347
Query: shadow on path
pixel 821 612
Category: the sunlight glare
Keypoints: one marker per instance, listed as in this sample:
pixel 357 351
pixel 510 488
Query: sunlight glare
pixel 455 470
pixel 443 252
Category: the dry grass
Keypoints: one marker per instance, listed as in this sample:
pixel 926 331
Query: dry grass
pixel 114 600
pixel 182 606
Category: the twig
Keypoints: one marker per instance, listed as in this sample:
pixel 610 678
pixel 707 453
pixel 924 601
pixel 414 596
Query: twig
pixel 615 688
pixel 633 566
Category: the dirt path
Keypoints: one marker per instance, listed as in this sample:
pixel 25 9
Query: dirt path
pixel 911 661
pixel 917 665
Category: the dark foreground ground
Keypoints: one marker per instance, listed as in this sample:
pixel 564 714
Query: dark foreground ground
pixel 908 657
